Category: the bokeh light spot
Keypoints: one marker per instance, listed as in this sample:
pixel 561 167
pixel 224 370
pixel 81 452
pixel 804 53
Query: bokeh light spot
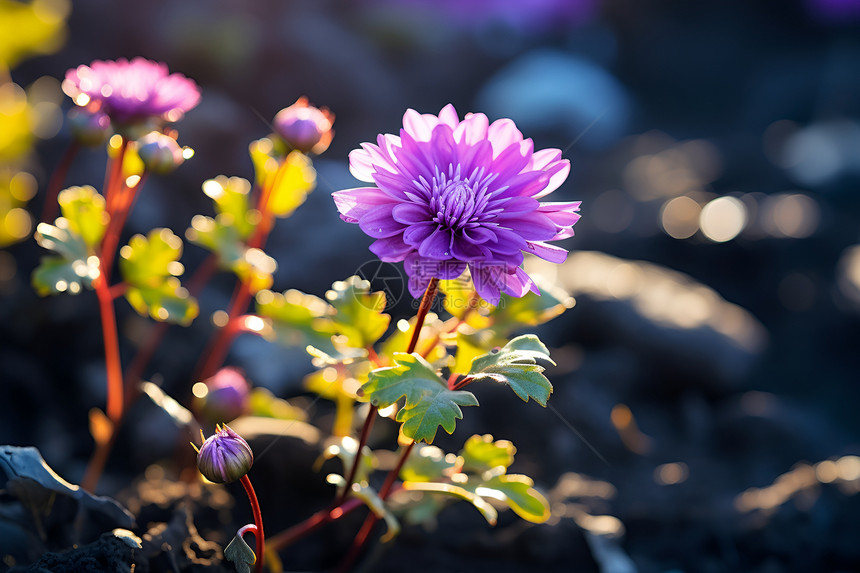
pixel 723 219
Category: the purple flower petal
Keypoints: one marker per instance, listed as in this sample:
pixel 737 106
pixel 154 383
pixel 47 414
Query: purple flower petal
pixel 454 193
pixel 378 222
pixel 355 203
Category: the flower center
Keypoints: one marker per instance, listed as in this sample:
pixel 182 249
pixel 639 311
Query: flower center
pixel 456 202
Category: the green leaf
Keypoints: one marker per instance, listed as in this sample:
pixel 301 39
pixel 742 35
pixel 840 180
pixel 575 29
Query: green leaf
pixel 84 209
pixel 70 272
pixel 460 296
pixel 518 492
pixel 231 198
pixel 487 510
pixel 427 463
pixel 514 313
pixel 168 301
pixel 240 554
pixel 516 365
pixel 359 311
pixel 149 261
pixel 344 448
pixel 218 235
pixel 288 182
pixel 298 319
pixel 469 347
pixel 372 500
pixel 149 266
pixel 429 402
pixel 481 453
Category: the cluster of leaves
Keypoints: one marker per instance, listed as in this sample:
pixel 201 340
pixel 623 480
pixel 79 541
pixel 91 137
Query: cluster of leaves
pixel 341 331
pixel 149 265
pixel 232 235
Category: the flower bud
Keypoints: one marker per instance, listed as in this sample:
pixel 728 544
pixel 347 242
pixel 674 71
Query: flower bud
pixel 224 457
pixel 159 152
pixel 224 396
pixel 304 127
pixel 90 128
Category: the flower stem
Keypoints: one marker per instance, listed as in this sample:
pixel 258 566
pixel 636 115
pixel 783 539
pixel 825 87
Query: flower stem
pixel 217 351
pixel 258 521
pixel 49 209
pixel 367 527
pixel 423 309
pixel 426 303
pixel 111 343
pixel 311 524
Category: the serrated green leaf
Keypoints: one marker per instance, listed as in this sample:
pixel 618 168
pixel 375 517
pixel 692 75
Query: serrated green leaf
pixel 166 302
pixel 481 453
pixel 231 198
pixel 429 402
pixel 240 554
pixel 149 261
pixel 84 209
pixel 73 270
pixel 487 510
pixel 359 312
pixel 516 364
pixel 518 492
pixel 513 313
pixel 427 463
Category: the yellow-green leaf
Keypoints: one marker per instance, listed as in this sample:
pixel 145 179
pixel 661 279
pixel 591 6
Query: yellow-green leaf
pixel 481 453
pixel 84 209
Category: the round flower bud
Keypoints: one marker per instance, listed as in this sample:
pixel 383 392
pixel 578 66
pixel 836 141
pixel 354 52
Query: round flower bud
pixel 90 128
pixel 159 152
pixel 304 127
pixel 224 457
pixel 224 396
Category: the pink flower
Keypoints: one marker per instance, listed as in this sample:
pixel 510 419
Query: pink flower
pixel 132 91
pixel 454 194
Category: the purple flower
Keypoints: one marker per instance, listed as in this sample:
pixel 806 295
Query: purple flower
pixel 305 127
pixel 224 457
pixel 132 91
pixel 453 194
pixel 227 396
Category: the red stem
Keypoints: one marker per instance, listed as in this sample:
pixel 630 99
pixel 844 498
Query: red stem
pixel 314 522
pixel 259 536
pixel 426 303
pixel 367 527
pixel 242 295
pixel 49 209
pixel 362 441
pixel 135 370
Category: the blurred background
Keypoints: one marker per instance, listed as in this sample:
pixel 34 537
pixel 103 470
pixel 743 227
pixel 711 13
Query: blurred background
pixel 705 415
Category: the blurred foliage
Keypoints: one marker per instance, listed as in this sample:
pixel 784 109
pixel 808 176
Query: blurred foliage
pixel 26 29
pixel 150 266
pixel 477 474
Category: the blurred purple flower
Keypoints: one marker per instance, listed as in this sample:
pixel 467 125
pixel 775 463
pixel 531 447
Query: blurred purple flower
pixel 305 127
pixel 452 194
pixel 132 91
pixel 227 396
pixel 224 457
